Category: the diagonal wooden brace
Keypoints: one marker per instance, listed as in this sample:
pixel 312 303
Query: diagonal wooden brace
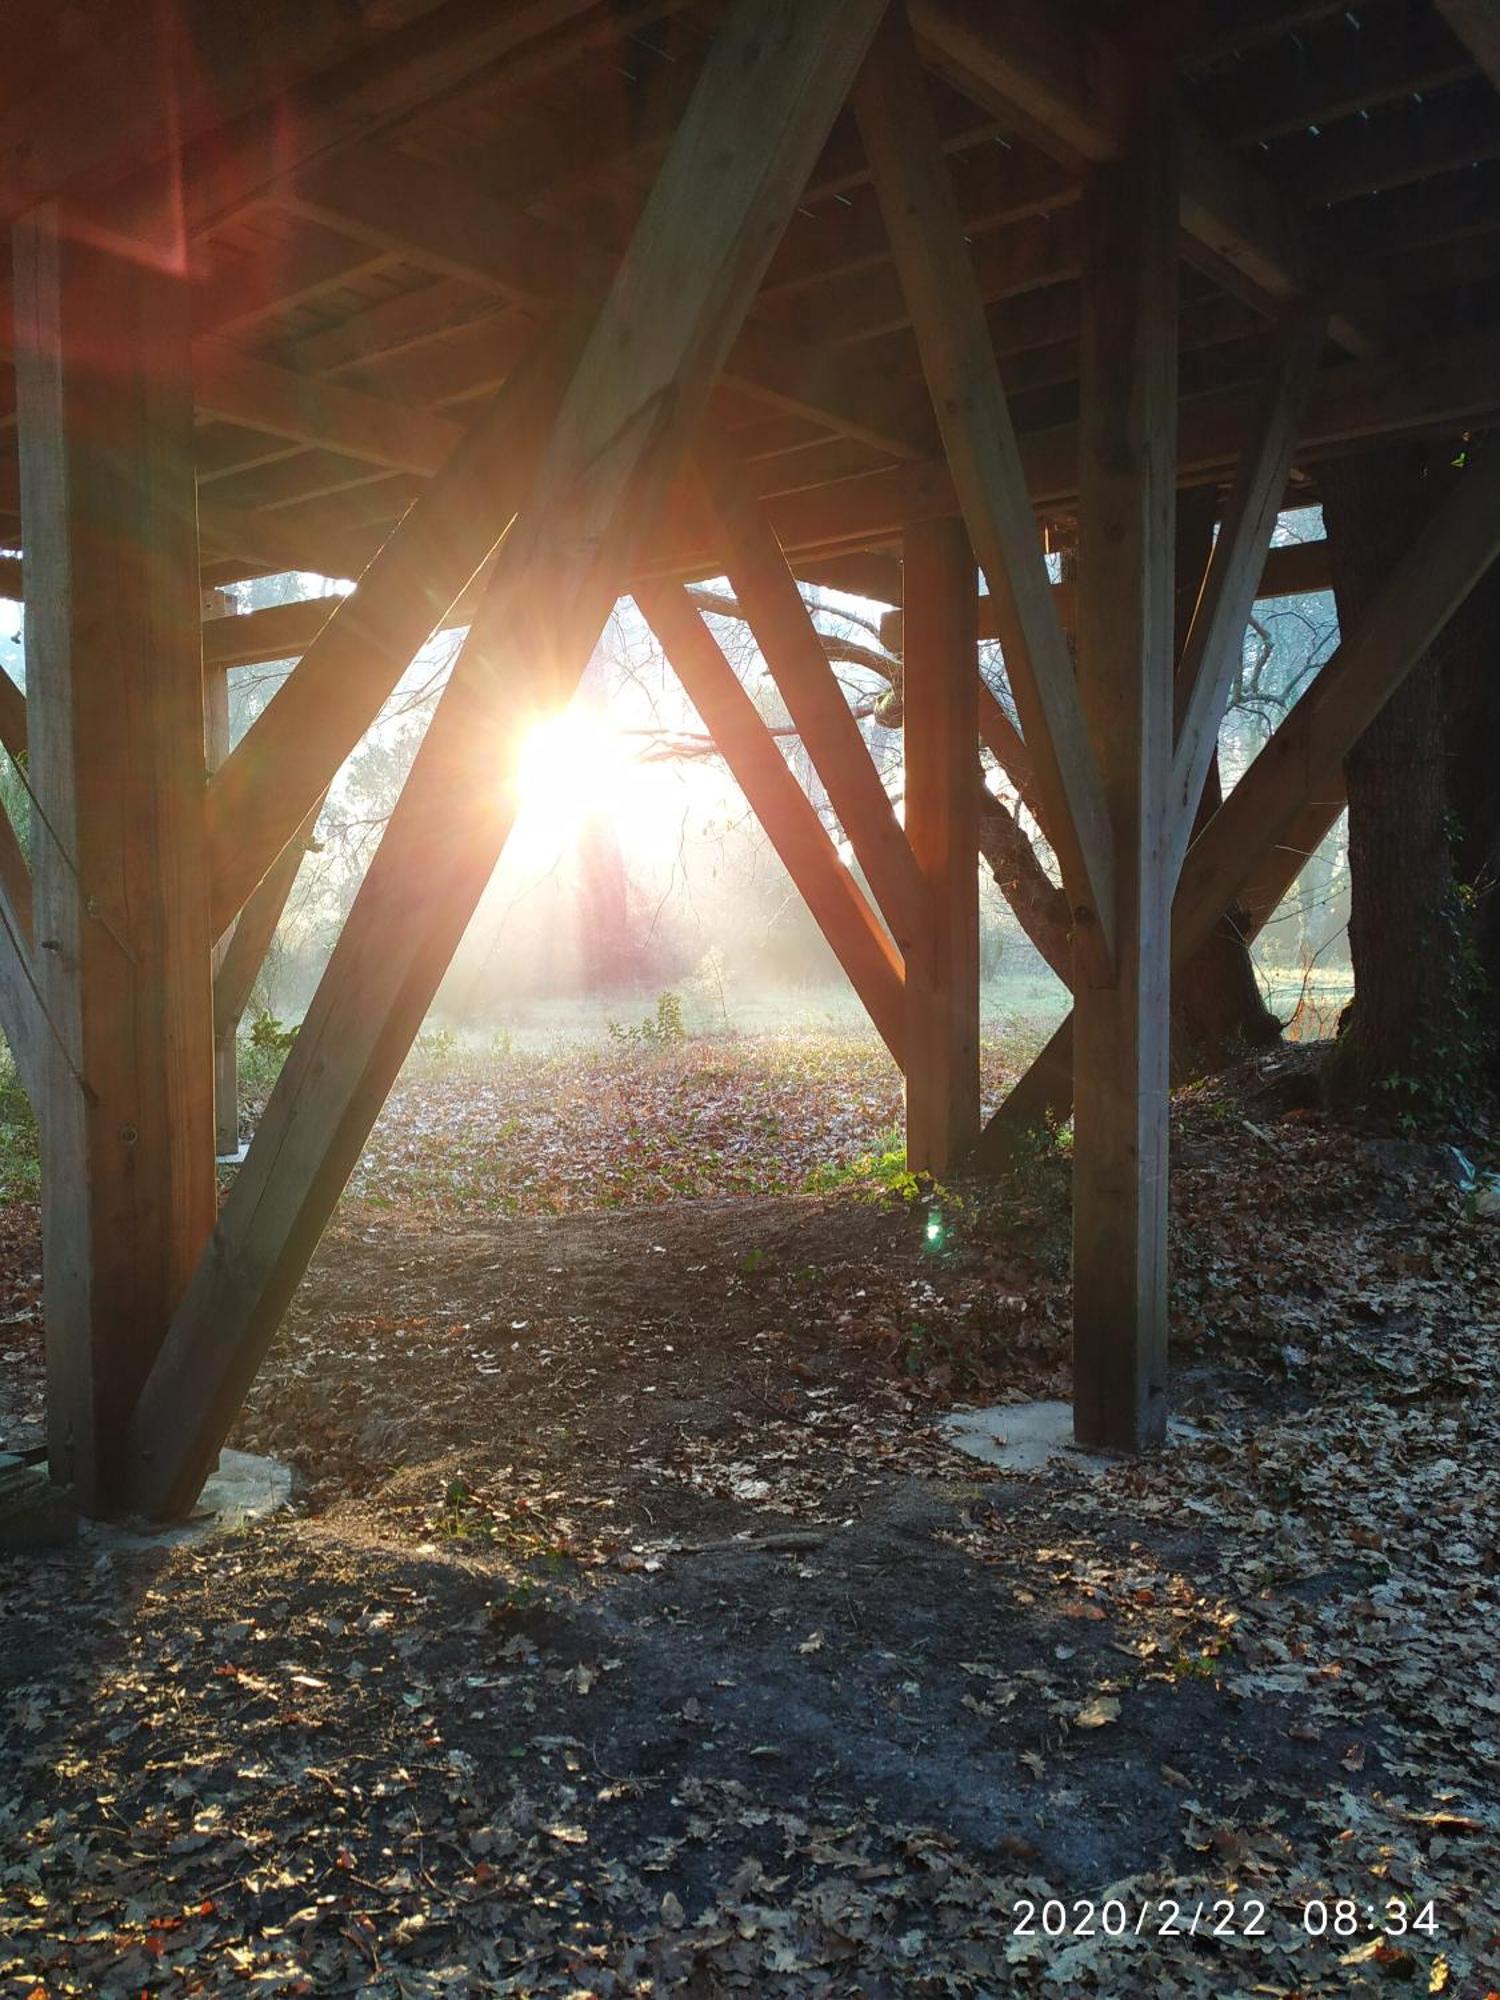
pixel 912 181
pixel 762 108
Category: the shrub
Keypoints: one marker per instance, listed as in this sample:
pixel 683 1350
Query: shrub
pixel 436 1045
pixel 661 1030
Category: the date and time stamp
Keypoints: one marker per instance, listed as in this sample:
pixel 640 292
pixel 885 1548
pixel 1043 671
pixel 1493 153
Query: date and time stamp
pixel 1344 1919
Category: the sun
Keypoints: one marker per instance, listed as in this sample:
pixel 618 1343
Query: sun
pixel 586 769
pixel 570 766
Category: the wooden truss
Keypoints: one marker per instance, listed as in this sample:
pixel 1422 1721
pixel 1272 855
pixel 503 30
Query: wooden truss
pixel 913 281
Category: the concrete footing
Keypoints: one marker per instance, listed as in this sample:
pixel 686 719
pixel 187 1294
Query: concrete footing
pixel 1027 1437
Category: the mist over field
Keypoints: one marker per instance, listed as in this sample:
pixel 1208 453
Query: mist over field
pixel 636 869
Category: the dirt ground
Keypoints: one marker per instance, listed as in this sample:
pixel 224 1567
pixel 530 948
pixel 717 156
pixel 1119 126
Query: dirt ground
pixel 637 1632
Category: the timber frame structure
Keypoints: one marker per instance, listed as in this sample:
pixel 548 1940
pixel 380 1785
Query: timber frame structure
pixel 508 308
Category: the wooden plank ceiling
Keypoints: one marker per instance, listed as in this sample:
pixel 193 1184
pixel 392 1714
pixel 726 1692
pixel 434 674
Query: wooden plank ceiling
pixel 355 308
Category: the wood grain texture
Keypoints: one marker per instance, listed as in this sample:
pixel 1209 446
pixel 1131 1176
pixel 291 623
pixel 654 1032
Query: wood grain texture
pixel 778 617
pixel 116 761
pixel 940 690
pixel 768 93
pixel 1126 520
pixel 916 196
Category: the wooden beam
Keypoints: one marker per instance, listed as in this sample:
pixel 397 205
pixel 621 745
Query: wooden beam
pixel 269 541
pixel 877 577
pixel 1304 758
pixel 446 223
pixel 266 280
pixel 1004 742
pixel 1319 81
pixel 1238 25
pixel 123 93
pixel 1453 383
pixel 1070 85
pixel 940 690
pixel 1215 641
pixel 216 745
pixel 1128 412
pixel 850 927
pixel 1271 879
pixel 1404 146
pixel 1293 569
pixel 861 315
pixel 240 389
pixel 778 617
pixel 320 77
pixel 12 717
pixel 1000 185
pixel 434 217
pixel 916 196
pixel 252 638
pixel 1293 792
pixel 293 749
pixel 116 761
pixel 1045 1090
pixel 22 1019
pixel 767 95
pixel 244 951
pixel 15 887
pixel 1478 28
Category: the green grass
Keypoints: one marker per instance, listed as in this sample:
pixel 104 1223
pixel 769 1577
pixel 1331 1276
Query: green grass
pixel 880 1172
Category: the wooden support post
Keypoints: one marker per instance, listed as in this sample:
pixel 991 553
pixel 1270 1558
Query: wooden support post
pixel 1127 473
pixel 115 711
pixel 226 1033
pixel 1254 846
pixel 791 822
pixel 761 111
pixel 910 172
pixel 941 689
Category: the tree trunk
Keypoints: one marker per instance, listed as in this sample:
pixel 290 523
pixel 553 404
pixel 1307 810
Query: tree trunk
pixel 1217 1007
pixel 1406 1045
pixel 1040 907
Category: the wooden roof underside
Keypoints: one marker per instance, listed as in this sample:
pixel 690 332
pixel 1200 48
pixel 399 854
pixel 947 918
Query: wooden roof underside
pixel 390 200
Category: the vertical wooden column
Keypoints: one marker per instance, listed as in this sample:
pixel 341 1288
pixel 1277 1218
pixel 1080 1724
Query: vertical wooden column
pixel 115 711
pixel 226 1033
pixel 1127 452
pixel 941 703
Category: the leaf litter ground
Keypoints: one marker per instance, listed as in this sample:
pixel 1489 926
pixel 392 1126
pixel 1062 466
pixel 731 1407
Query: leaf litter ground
pixel 637 1632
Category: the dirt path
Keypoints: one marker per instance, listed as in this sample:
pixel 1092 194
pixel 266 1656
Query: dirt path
pixel 638 1633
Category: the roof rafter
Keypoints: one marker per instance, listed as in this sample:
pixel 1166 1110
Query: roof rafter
pixel 1070 86
pixel 440 219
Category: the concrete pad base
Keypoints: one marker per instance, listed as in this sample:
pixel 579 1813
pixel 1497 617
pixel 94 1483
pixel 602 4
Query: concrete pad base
pixel 1027 1437
pixel 246 1487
